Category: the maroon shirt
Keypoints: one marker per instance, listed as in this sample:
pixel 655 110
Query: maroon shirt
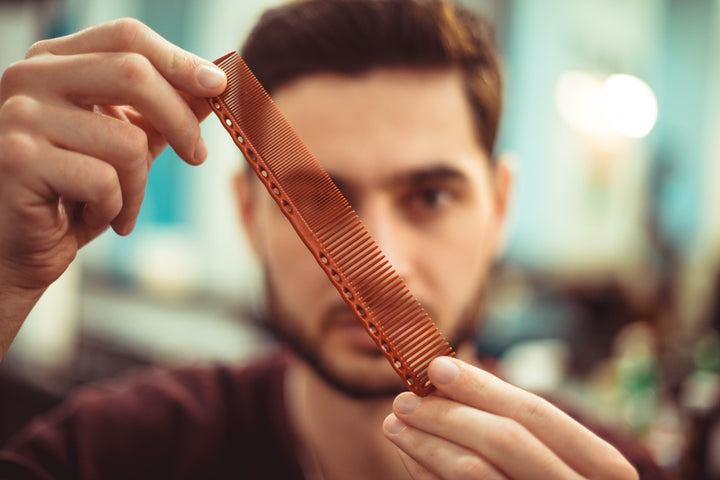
pixel 203 423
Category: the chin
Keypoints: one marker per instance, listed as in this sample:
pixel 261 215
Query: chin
pixel 359 375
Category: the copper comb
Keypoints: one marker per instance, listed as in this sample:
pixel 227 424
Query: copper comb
pixel 329 226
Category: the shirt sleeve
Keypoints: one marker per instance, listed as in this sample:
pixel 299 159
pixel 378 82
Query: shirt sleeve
pixel 160 425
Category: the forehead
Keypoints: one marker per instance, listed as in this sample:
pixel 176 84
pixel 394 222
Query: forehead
pixel 383 122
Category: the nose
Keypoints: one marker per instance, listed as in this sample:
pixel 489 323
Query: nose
pixel 389 232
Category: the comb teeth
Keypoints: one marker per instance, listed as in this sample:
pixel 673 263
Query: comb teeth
pixel 329 227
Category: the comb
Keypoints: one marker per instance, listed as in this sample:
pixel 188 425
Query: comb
pixel 329 226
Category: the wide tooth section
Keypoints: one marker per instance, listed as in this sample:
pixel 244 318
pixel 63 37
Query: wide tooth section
pixel 414 344
pixel 416 316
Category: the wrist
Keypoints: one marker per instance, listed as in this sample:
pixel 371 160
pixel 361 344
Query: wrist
pixel 15 305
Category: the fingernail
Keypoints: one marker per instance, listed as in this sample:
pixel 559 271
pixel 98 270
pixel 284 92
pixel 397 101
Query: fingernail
pixel 201 151
pixel 407 402
pixel 443 370
pixel 393 425
pixel 210 77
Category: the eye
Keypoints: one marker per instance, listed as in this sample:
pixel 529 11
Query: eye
pixel 427 202
pixel 434 198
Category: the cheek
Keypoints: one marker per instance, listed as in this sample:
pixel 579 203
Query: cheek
pixel 292 270
pixel 459 263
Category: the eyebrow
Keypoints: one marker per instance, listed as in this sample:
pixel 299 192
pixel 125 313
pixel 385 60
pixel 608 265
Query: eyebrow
pixel 427 175
pixel 440 172
pixel 411 178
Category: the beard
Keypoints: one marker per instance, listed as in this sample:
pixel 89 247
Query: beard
pixel 283 326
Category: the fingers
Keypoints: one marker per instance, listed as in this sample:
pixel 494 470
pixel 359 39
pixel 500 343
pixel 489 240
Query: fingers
pixel 431 457
pixel 480 443
pixel 121 145
pixel 477 426
pixel 582 450
pixel 43 173
pixel 124 63
pixel 80 121
pixel 182 69
pixel 123 79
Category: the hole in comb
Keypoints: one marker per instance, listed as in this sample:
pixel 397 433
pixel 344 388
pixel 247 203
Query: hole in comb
pixel 251 154
pixel 275 189
pixel 240 139
pixel 228 122
pixel 263 172
pixel 287 207
pixel 397 363
pixel 216 105
pixel 409 381
pixel 385 347
pixel 323 258
pixel 335 276
pixel 372 329
pixel 348 294
pixel 361 312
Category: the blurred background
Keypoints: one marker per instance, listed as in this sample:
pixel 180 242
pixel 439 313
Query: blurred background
pixel 609 290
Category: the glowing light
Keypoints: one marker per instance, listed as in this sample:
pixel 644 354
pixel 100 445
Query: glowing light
pixel 629 105
pixel 594 104
pixel 579 100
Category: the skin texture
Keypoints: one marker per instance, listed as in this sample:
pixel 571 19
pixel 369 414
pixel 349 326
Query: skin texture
pixel 80 125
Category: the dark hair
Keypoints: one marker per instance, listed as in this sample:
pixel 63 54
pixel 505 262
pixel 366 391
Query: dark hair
pixel 354 36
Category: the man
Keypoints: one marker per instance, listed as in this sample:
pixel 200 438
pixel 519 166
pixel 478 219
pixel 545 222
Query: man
pixel 399 100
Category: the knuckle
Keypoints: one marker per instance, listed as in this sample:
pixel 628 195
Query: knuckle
pixel 135 68
pixel 37 48
pixel 106 192
pixel 16 147
pixel 472 468
pixel 532 409
pixel 508 434
pixel 106 181
pixel 137 144
pixel 19 110
pixel 126 31
pixel 12 78
pixel 181 62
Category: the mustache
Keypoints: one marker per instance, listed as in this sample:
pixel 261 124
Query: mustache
pixel 340 311
pixel 334 313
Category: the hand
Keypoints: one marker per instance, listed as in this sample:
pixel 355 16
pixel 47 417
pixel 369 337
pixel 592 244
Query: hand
pixel 477 426
pixel 81 120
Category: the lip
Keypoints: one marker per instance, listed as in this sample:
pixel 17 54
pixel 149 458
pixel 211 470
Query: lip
pixel 353 331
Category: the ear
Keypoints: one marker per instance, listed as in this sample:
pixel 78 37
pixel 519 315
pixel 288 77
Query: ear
pixel 504 173
pixel 504 177
pixel 246 201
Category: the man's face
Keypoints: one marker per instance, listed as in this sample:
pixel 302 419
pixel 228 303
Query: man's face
pixel 401 146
